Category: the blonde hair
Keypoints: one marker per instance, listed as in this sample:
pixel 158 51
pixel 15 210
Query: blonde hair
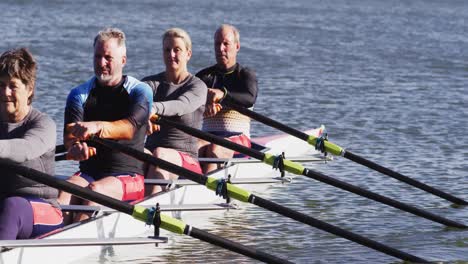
pixel 178 33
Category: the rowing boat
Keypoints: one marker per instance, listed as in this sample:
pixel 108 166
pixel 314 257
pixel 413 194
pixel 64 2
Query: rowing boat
pixel 183 200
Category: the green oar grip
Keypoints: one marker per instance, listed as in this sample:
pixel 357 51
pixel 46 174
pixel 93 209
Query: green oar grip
pixel 233 191
pixel 329 147
pixel 289 166
pixel 168 223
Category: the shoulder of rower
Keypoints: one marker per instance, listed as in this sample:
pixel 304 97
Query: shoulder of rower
pixel 154 80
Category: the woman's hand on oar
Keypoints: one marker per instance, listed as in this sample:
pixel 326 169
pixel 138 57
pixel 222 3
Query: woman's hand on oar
pixel 339 151
pixel 141 213
pixel 245 196
pixel 298 169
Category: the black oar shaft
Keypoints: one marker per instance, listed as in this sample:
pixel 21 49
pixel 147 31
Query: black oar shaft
pixel 129 209
pixel 380 198
pixel 70 188
pixel 261 202
pixel 335 230
pixel 268 121
pixel 358 159
pixel 214 139
pixel 244 250
pixel 372 165
pixel 198 178
pixel 316 175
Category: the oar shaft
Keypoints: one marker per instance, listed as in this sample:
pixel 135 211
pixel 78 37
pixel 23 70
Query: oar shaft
pixel 213 139
pixel 358 159
pixel 268 121
pixel 70 188
pixel 243 195
pixel 380 198
pixel 353 157
pixel 335 230
pixel 129 209
pixel 198 178
pixel 298 169
pixel 244 250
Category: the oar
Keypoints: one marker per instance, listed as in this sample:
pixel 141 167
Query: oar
pixel 245 196
pixel 298 169
pixel 339 151
pixel 141 213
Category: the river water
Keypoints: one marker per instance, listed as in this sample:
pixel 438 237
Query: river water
pixel 387 78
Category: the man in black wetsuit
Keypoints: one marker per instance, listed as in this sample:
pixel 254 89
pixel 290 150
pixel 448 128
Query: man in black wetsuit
pixel 112 106
pixel 227 80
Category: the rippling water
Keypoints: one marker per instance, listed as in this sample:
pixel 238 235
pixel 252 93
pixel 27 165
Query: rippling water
pixel 387 78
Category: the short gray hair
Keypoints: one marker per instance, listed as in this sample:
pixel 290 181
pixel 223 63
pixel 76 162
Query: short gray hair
pixel 111 33
pixel 234 30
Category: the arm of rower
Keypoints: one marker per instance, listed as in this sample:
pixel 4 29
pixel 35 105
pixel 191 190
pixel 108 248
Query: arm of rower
pixel 246 94
pixel 188 102
pixel 36 141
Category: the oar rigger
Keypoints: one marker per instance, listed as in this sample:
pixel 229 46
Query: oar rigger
pixel 222 188
pixel 278 164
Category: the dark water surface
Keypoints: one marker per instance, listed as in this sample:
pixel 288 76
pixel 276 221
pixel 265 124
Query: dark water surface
pixel 387 78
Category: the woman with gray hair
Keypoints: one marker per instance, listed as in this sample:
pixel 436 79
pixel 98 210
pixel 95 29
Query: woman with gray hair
pixel 179 96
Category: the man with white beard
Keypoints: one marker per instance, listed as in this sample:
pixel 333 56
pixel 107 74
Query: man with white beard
pixel 113 106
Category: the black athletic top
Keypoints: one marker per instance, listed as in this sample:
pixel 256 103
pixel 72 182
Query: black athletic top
pixel 240 82
pixel 129 100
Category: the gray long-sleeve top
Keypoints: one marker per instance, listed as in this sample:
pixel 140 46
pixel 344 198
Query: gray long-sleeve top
pixel 184 103
pixel 30 143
